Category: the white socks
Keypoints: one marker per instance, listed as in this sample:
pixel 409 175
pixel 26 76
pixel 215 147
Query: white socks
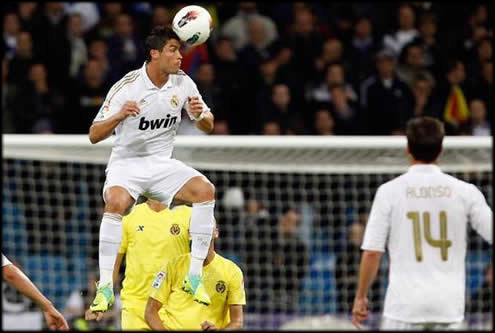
pixel 110 237
pixel 201 229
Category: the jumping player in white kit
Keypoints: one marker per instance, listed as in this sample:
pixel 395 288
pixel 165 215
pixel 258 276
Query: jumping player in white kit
pixel 143 109
pixel 421 216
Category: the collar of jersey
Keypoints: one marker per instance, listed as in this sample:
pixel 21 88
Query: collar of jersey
pixel 149 84
pixel 429 168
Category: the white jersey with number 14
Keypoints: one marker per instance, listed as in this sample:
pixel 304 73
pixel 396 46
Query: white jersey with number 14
pixel 422 216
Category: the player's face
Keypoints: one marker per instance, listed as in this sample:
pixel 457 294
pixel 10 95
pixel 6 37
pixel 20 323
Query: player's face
pixel 170 58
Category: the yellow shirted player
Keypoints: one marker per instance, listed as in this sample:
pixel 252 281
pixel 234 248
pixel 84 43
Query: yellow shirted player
pixel 152 234
pixel 171 307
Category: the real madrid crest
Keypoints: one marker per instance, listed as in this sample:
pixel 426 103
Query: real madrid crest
pixel 174 101
pixel 220 287
pixel 175 229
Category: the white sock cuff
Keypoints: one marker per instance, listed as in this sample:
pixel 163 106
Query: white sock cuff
pixel 112 217
pixel 204 204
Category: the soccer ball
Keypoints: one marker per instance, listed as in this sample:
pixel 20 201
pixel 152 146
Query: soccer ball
pixel 192 24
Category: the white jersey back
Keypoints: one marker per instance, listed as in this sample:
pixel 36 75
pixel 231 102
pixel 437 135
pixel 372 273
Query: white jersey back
pixel 153 130
pixel 422 217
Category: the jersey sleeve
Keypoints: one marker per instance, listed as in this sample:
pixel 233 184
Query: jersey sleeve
pixel 162 284
pixel 236 294
pixel 113 102
pixel 480 214
pixel 193 91
pixel 378 226
pixel 5 261
pixel 125 237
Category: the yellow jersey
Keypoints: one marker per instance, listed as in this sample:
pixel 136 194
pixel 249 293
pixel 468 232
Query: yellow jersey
pixel 150 239
pixel 223 281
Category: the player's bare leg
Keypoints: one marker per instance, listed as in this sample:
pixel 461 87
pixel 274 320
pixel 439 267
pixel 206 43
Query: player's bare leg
pixel 117 202
pixel 201 193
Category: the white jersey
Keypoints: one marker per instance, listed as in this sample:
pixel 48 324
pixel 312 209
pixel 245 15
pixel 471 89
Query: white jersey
pixel 422 217
pixel 153 130
pixel 5 261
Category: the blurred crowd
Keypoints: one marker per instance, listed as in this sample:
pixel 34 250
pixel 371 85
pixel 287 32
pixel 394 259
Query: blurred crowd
pixel 274 69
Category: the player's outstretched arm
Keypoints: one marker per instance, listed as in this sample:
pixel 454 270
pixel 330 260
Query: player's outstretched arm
pixel 16 278
pixel 151 314
pixel 370 262
pixel 101 130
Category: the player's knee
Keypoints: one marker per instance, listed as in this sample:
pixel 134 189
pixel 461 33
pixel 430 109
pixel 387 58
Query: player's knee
pixel 115 207
pixel 206 192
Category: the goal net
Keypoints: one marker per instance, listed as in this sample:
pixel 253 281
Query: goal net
pixel 291 213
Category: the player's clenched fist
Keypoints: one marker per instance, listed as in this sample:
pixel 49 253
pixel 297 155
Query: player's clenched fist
pixel 195 106
pixel 130 108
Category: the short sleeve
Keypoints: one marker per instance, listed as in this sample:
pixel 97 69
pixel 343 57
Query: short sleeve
pixel 378 226
pixel 236 294
pixel 113 102
pixel 5 261
pixel 162 285
pixel 480 214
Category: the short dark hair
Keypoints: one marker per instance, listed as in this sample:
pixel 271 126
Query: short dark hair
pixel 424 138
pixel 157 39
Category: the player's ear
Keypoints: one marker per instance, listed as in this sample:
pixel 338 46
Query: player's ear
pixel 155 54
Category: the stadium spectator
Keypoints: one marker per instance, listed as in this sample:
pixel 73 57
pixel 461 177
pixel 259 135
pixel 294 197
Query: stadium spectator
pixel 412 64
pixel 105 28
pixel 8 119
pixel 255 50
pixel 334 75
pixel 271 127
pixel 87 95
pixel 306 43
pixel 427 38
pixel 76 45
pixel 125 50
pixel 281 109
pixel 89 12
pixel 23 58
pixel 324 123
pixel 11 27
pixel 385 96
pixel 345 110
pixel 484 86
pixel 422 90
pixel 290 261
pixel 160 15
pixel 236 27
pixel 450 88
pixel 405 32
pixel 49 34
pixel 27 14
pixel 332 52
pixel 363 46
pixel 477 124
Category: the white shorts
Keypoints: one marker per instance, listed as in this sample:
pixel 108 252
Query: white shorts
pixel 152 176
pixel 394 325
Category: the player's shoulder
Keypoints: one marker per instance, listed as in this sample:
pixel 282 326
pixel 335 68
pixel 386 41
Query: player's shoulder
pixel 229 265
pixel 182 211
pixel 181 79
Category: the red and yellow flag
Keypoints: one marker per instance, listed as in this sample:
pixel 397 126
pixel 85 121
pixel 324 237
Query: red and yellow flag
pixel 456 111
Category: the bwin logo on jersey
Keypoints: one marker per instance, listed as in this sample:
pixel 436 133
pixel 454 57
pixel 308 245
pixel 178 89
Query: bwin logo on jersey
pixel 157 123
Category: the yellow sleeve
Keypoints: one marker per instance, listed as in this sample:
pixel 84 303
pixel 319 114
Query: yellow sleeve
pixel 236 293
pixel 162 284
pixel 123 243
